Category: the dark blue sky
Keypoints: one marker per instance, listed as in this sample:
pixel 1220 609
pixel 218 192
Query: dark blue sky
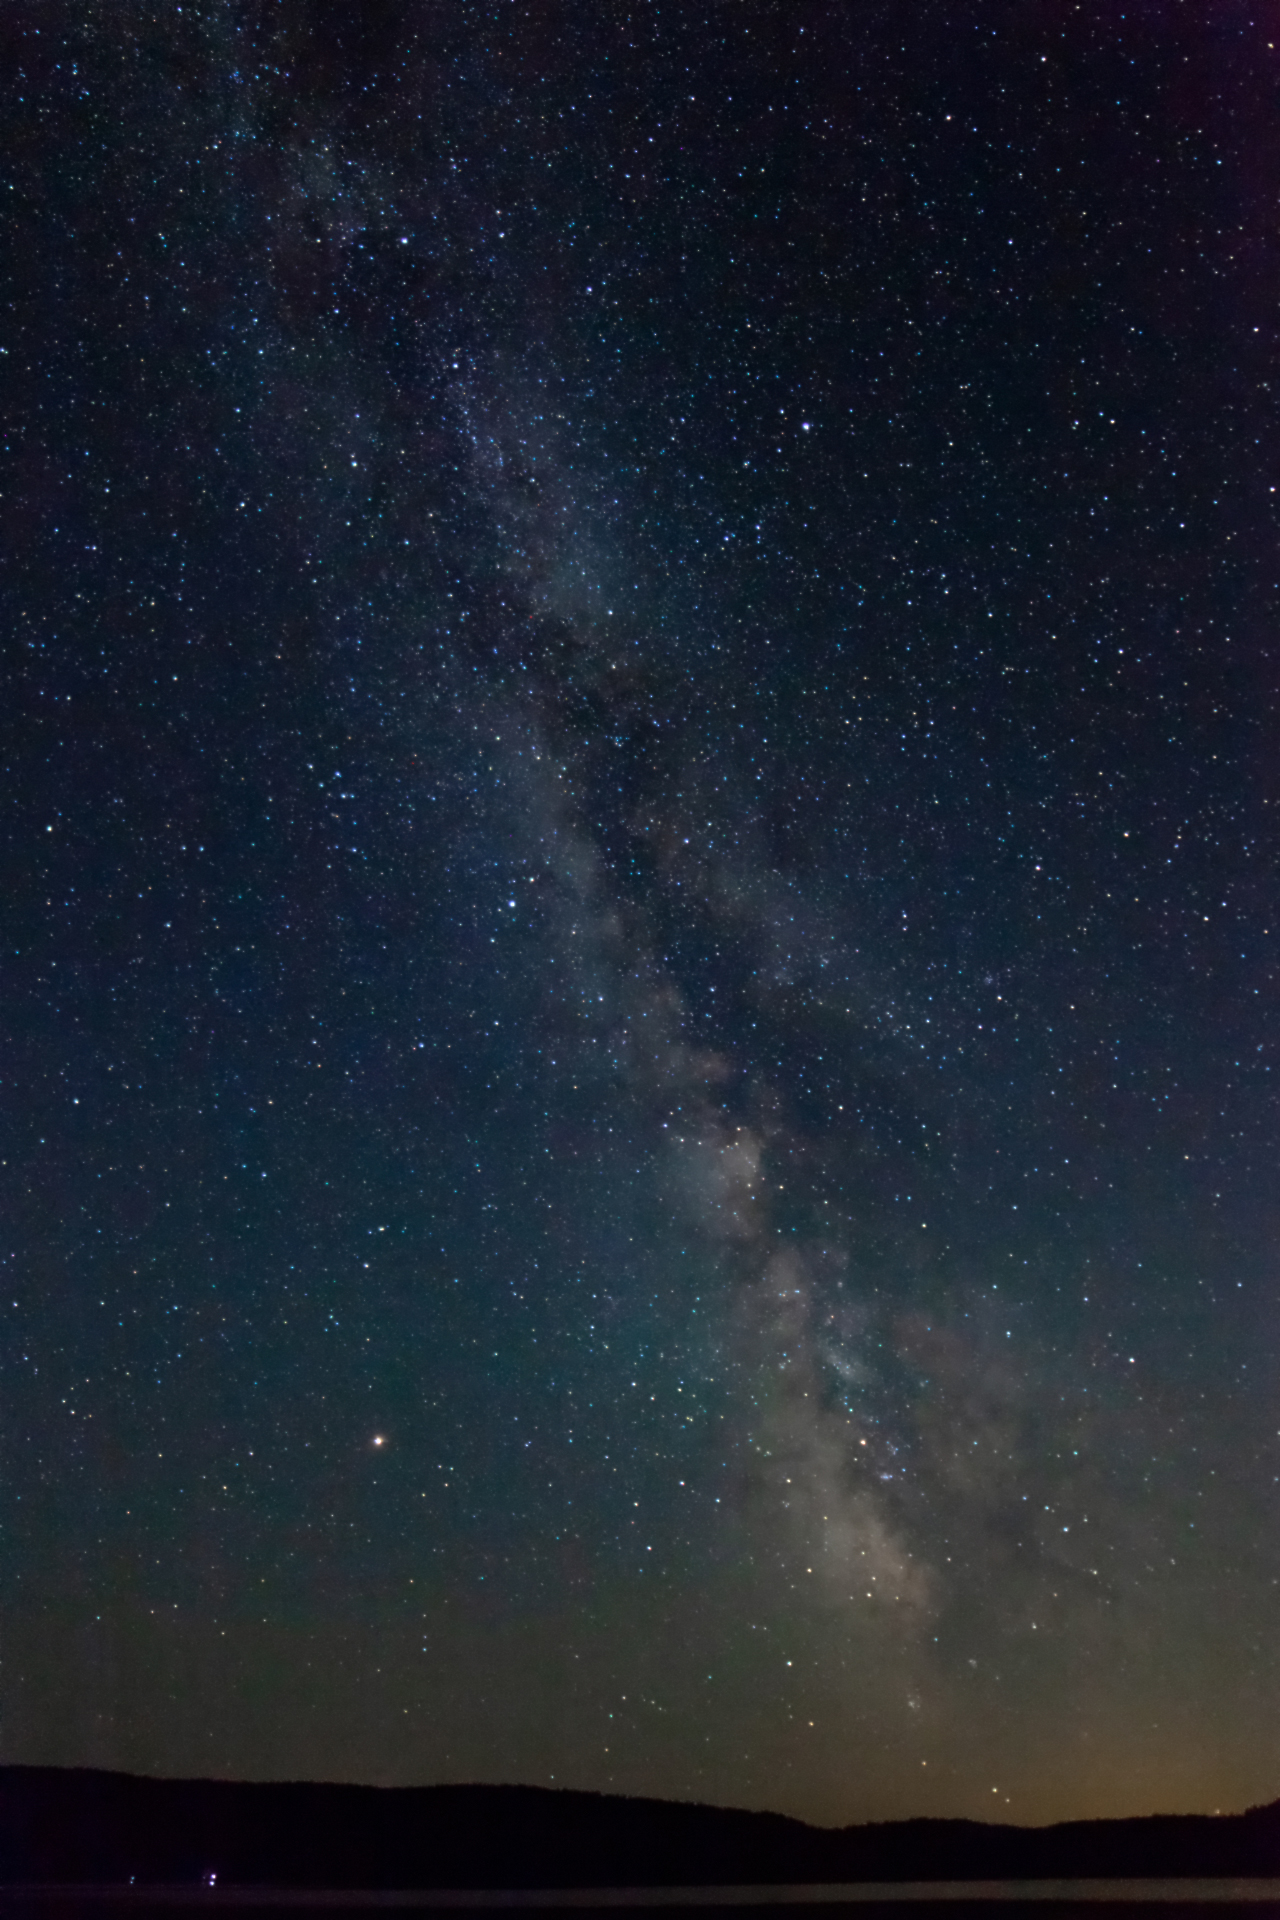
pixel 640 910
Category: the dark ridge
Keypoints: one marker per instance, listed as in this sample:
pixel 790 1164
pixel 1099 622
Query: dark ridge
pixel 78 1826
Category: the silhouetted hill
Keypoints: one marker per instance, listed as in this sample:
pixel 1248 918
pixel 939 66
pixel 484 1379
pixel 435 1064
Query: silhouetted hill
pixel 81 1826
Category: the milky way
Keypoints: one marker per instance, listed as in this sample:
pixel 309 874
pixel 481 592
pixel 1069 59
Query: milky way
pixel 639 981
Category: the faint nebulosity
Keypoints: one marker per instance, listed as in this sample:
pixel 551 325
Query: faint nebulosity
pixel 639 899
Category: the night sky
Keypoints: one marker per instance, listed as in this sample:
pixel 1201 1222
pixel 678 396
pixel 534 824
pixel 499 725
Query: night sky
pixel 639 904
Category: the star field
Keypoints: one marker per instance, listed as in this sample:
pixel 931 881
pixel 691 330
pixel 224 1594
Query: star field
pixel 640 916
